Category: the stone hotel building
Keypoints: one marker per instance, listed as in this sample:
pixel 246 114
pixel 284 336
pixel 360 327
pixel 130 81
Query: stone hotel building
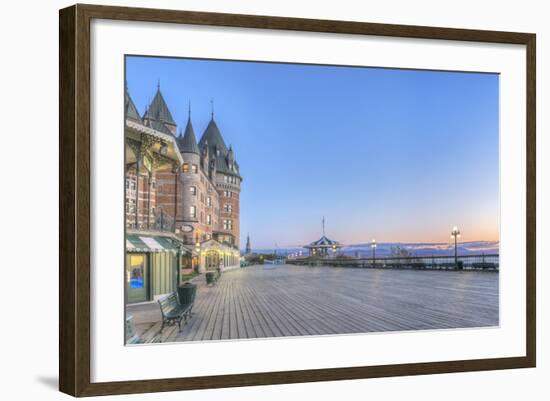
pixel 181 199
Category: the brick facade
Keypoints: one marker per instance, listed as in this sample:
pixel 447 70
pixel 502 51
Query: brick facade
pixel 201 196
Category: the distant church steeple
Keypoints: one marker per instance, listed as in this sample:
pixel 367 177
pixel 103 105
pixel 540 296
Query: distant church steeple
pixel 248 250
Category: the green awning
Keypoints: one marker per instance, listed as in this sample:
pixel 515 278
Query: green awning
pixel 148 243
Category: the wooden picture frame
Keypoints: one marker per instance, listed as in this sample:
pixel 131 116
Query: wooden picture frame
pixel 74 199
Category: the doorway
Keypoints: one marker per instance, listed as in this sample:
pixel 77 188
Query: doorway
pixel 212 260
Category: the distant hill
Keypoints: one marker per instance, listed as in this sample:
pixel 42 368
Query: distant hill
pixel 417 249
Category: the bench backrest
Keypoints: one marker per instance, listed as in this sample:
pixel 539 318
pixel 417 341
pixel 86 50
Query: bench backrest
pixel 168 303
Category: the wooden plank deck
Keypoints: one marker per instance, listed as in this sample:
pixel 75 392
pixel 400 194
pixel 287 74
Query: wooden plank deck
pixel 283 300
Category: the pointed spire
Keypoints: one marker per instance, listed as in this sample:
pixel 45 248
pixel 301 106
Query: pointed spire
pixel 158 109
pixel 189 117
pixel 212 107
pixel 323 226
pixel 188 143
pixel 248 246
pixel 214 138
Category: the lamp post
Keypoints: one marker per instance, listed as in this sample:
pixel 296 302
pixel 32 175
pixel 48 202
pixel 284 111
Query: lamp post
pixel 455 234
pixel 198 250
pixel 373 247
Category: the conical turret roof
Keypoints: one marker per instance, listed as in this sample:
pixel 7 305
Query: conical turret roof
pixel 214 138
pixel 130 111
pixel 217 149
pixel 158 110
pixel 188 143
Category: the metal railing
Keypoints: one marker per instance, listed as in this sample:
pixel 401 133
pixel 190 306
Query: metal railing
pixel 465 262
pixel 163 222
pixel 158 221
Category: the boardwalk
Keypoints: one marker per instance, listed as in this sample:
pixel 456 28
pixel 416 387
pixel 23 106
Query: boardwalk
pixel 283 300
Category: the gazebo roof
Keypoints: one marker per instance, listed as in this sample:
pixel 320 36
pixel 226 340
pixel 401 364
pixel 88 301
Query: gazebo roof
pixel 324 242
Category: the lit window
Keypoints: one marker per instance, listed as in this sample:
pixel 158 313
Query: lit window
pixel 209 201
pixel 227 224
pixel 193 190
pixel 193 211
pixel 186 168
pixel 194 168
pixel 209 219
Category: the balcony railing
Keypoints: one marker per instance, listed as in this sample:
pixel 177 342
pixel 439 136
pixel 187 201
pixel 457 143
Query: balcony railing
pixel 158 221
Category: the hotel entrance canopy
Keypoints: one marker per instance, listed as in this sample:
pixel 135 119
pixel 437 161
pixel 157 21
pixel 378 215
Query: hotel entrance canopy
pixel 150 243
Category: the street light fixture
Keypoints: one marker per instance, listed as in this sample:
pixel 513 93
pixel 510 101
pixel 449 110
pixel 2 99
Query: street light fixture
pixel 455 234
pixel 373 246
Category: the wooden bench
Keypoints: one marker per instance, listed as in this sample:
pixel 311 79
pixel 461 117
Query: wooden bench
pixel 131 336
pixel 172 311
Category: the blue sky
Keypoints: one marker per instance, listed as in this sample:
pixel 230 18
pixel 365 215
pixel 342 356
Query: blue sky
pixel 396 155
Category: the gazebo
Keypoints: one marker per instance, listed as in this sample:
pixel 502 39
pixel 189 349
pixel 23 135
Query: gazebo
pixel 323 245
